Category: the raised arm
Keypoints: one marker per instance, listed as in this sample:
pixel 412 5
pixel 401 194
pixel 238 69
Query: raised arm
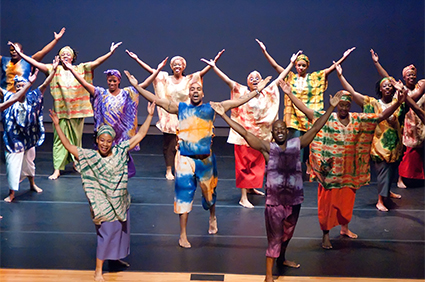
pixel 47 81
pixel 220 74
pixel 42 67
pixel 140 62
pixel 103 58
pixel 152 77
pixel 166 104
pixel 344 56
pixel 285 72
pixel 40 54
pixel 418 92
pixel 382 72
pixel 401 96
pixel 269 58
pixel 207 68
pixel 21 93
pixel 89 87
pixel 306 139
pixel 253 141
pixel 418 110
pixel 357 97
pixel 68 146
pixel 143 130
pixel 300 105
pixel 230 104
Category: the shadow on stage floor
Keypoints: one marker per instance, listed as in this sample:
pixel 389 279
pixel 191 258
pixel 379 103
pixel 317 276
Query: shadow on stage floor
pixel 53 230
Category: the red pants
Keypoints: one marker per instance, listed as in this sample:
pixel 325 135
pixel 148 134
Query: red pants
pixel 249 167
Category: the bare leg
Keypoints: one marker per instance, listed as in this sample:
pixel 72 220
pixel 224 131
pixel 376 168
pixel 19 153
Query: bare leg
pixel 400 183
pixel 183 242
pixel 394 195
pixel 11 196
pixel 380 205
pixel 169 173
pixel 244 202
pixel 326 242
pixel 98 271
pixel 255 192
pixel 346 232
pixel 55 174
pixel 213 229
pixel 269 269
pixel 33 186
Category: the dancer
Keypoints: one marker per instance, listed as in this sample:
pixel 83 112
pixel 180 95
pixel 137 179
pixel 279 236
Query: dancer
pixel 71 100
pixel 419 110
pixel 104 176
pixel 340 162
pixel 15 65
pixel 23 131
pixel 257 117
pixel 173 87
pixel 13 98
pixel 194 159
pixel 115 106
pixel 387 146
pixel 284 188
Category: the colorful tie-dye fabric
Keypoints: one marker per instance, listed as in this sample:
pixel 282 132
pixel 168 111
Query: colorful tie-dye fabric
pixel 310 91
pixel 105 182
pixel 165 88
pixel 195 130
pixel 118 111
pixel 414 129
pixel 340 154
pixel 386 144
pixel 9 70
pixel 70 99
pixel 23 122
pixel 256 115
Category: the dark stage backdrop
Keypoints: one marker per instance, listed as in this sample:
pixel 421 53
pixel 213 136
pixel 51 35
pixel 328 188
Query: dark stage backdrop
pixel 197 29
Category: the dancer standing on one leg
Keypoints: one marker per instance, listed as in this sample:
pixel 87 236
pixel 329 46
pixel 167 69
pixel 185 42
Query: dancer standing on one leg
pixel 173 87
pixel 23 131
pixel 340 159
pixel 257 117
pixel 194 159
pixel 104 173
pixel 284 184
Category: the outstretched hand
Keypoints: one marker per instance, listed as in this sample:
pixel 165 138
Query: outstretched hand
pixel 114 46
pixel 16 47
pixel 211 62
pixel 218 108
pixel 263 83
pixel 335 99
pixel 295 56
pixel 285 86
pixel 54 117
pixel 338 68
pixel 348 52
pixel 375 57
pixel 151 108
pixel 262 46
pixel 401 96
pixel 59 35
pixel 33 76
pixel 397 84
pixel 131 54
pixel 162 64
pixel 131 78
pixel 218 55
pixel 56 62
pixel 67 65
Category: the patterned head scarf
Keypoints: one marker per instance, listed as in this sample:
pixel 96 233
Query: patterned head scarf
pixel 389 78
pixel 346 96
pixel 113 72
pixel 106 129
pixel 178 58
pixel 67 48
pixel 408 68
pixel 304 58
pixel 18 79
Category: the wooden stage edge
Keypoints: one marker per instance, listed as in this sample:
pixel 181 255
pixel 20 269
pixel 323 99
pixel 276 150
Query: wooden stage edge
pixel 37 275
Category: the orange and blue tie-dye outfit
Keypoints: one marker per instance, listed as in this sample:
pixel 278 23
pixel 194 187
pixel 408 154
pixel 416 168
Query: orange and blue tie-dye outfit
pixel 194 159
pixel 10 69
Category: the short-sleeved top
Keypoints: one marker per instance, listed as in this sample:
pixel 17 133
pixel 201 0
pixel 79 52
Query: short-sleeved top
pixel 339 154
pixel 309 90
pixel 284 185
pixel 105 182
pixel 9 70
pixel 70 99
pixel 23 122
pixel 195 130
pixel 257 115
pixel 118 111
pixel 414 128
pixel 386 143
pixel 165 88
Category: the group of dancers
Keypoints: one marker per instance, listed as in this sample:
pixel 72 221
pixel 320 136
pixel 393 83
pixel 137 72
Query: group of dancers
pixel 341 143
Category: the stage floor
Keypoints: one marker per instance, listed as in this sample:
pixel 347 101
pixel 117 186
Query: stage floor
pixel 53 229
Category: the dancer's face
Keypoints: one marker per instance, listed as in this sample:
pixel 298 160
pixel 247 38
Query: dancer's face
pixel 66 56
pixel 253 79
pixel 301 67
pixel 19 86
pixel 13 54
pixel 387 89
pixel 196 94
pixel 343 109
pixel 279 132
pixel 104 143
pixel 177 66
pixel 410 77
pixel 113 83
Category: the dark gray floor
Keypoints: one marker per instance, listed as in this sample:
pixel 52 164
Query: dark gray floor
pixel 53 230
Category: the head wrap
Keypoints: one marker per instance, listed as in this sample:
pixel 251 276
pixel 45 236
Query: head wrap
pixel 408 68
pixel 106 129
pixel 346 96
pixel 67 48
pixel 389 78
pixel 304 58
pixel 18 79
pixel 178 58
pixel 113 72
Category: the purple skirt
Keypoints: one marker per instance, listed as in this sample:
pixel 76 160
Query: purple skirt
pixel 113 239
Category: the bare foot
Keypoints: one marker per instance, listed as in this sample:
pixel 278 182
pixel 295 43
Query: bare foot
pixel 394 195
pixel 326 242
pixel 9 198
pixel 55 174
pixel 1 217
pixel 213 229
pixel 292 264
pixel 269 279
pixel 400 183
pixel 184 244
pixel 255 191
pixel 381 207
pixel 36 189
pixel 169 176
pixel 98 276
pixel 349 234
pixel 246 204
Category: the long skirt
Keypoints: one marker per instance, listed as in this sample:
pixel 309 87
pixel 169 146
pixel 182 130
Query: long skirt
pixel 412 165
pixel 249 167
